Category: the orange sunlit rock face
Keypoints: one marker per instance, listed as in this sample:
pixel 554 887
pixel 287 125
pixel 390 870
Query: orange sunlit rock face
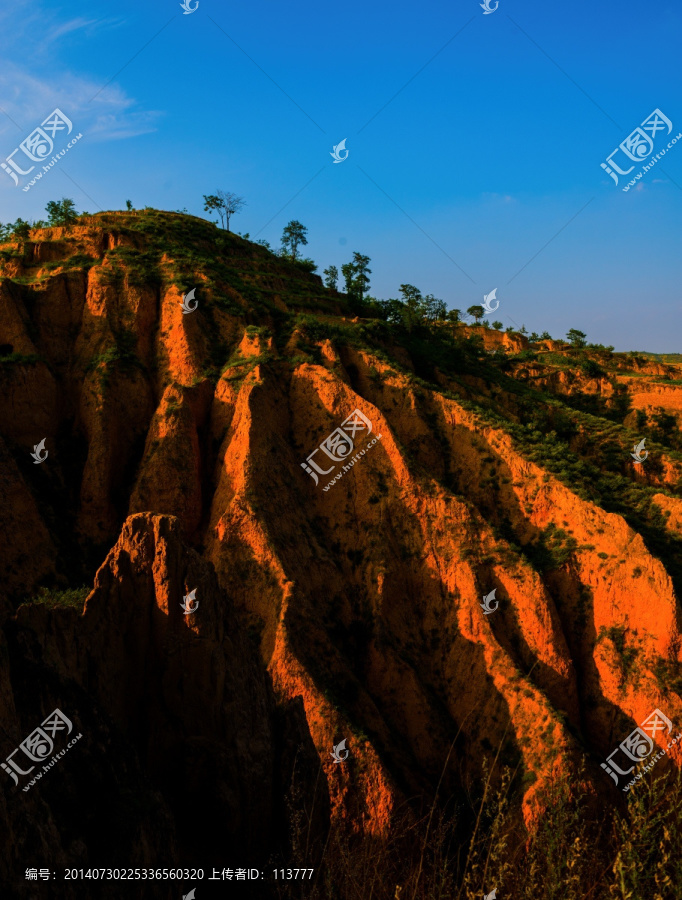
pixel 176 442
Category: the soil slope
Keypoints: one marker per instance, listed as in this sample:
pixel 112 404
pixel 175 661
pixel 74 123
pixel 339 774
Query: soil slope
pixel 177 451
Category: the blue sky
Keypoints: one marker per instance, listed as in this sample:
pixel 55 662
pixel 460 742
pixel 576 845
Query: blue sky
pixel 483 172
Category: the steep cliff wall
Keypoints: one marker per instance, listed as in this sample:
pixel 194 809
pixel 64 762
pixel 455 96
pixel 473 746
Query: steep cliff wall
pixel 169 430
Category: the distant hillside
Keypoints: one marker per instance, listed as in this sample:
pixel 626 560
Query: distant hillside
pixel 670 359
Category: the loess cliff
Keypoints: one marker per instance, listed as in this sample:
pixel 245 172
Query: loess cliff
pixel 177 450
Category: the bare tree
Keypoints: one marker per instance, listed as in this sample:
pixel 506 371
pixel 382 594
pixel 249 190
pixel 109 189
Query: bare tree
pixel 225 203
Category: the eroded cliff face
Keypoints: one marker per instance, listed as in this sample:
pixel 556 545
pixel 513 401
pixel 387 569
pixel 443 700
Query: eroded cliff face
pixel 625 382
pixel 366 597
pixel 176 714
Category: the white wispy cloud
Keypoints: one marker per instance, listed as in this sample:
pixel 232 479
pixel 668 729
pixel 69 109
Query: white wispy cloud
pixel 32 86
pixel 90 26
pixel 29 23
pixel 27 99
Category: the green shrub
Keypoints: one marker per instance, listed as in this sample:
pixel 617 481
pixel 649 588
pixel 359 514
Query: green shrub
pixel 19 359
pixel 71 598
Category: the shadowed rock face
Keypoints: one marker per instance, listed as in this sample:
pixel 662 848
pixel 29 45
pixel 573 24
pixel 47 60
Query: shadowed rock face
pixel 169 431
pixel 181 745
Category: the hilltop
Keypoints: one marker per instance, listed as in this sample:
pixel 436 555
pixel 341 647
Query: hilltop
pixel 178 445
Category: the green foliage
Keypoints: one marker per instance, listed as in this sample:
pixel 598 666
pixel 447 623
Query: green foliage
pixel 553 548
pixel 591 368
pixel 139 267
pixel 61 212
pixel 414 311
pixel 331 278
pixel 307 264
pixel 238 367
pixel 19 230
pixel 435 309
pixel 72 598
pixel 225 203
pixel 673 359
pixel 356 276
pixel 120 357
pixel 78 261
pixel 295 235
pixel 576 338
pixel 617 634
pixel 668 674
pixel 666 429
pixel 19 359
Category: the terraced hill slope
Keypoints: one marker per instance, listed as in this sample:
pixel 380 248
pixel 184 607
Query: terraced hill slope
pixel 330 607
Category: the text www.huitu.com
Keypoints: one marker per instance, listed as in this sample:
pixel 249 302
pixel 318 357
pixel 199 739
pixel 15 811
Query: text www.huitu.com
pixel 51 763
pixel 653 162
pixel 351 462
pixel 54 159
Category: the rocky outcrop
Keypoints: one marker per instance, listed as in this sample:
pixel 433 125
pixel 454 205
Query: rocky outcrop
pixel 508 341
pixel 169 431
pixel 654 396
pixel 171 707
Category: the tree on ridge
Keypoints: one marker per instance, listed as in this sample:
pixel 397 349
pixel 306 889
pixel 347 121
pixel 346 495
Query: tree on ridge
pixel 294 234
pixel 225 203
pixel 576 338
pixel 331 277
pixel 61 212
pixel 356 275
pixel 476 312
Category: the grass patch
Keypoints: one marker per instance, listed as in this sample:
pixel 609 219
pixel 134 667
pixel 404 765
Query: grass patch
pixel 72 598
pixel 119 357
pixel 20 359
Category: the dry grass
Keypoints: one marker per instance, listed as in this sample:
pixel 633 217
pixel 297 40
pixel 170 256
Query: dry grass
pixel 462 852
